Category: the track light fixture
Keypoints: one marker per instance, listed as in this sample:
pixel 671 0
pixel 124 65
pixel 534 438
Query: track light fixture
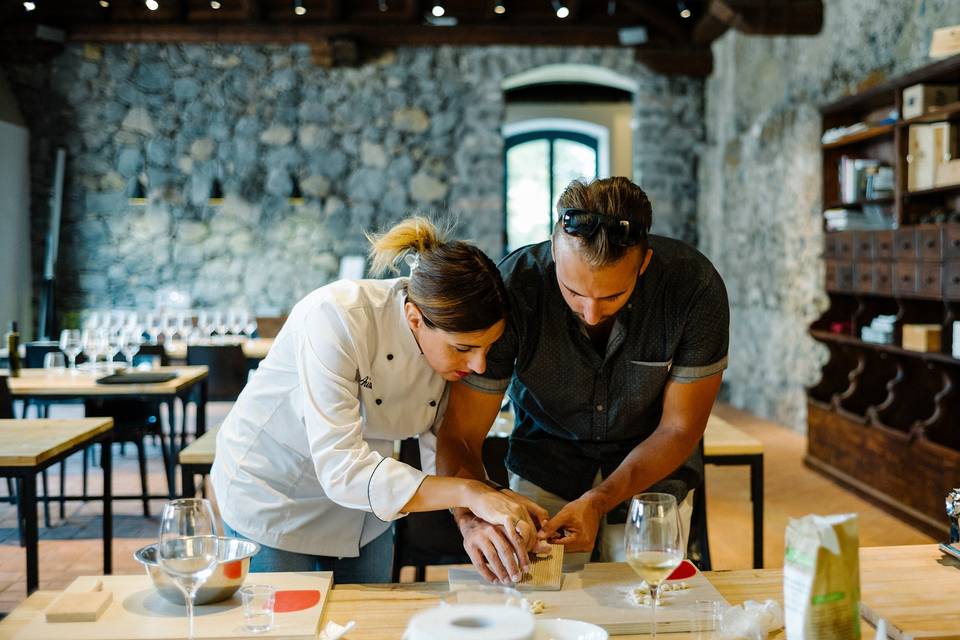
pixel 437 11
pixel 29 6
pixel 105 4
pixel 382 6
pixel 298 7
pixel 500 8
pixel 561 9
pixel 215 4
pixel 153 5
pixel 683 9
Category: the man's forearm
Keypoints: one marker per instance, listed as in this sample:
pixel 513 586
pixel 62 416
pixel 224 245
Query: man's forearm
pixel 650 461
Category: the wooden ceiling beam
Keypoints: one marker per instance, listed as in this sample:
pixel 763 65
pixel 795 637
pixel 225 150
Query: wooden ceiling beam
pixel 673 61
pixel 578 34
pixel 770 17
pixel 707 29
pixel 656 18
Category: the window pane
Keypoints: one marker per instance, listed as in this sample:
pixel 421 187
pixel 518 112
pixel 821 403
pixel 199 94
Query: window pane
pixel 528 193
pixel 571 160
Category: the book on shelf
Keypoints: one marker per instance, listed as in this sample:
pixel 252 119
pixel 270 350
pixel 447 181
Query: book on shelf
pixel 869 217
pixel 853 178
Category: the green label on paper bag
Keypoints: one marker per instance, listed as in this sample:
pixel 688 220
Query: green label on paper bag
pixel 828 597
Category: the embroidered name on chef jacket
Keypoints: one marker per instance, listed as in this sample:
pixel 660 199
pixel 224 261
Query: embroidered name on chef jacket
pixel 365 382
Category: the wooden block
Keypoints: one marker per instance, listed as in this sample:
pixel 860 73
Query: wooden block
pixel 921 337
pixel 545 574
pixel 945 42
pixel 79 606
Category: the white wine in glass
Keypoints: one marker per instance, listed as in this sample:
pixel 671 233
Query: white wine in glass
pixel 653 542
pixel 187 548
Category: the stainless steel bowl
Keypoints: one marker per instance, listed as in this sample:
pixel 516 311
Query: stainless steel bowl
pixel 231 570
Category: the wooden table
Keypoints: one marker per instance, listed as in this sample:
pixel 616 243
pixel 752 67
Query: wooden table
pixel 196 460
pixel 382 611
pixel 189 385
pixel 30 446
pixel 255 349
pixel 725 445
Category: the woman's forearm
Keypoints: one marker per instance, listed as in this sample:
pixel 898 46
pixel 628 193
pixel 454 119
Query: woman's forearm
pixel 437 493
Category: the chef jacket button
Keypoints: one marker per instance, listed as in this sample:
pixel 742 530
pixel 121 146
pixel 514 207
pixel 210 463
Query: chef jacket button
pixel 389 356
pixel 433 403
pixel 379 401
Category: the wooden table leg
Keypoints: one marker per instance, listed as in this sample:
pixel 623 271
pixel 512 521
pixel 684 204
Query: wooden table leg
pixel 28 494
pixel 106 464
pixel 756 497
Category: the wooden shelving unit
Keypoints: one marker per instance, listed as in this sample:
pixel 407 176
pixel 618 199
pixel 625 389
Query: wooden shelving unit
pixel 884 420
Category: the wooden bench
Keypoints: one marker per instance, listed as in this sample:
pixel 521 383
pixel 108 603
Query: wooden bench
pixel 725 445
pixel 196 459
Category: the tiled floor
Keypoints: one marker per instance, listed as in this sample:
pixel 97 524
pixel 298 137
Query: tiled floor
pixel 72 546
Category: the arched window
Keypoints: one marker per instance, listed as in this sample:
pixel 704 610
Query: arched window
pixel 542 157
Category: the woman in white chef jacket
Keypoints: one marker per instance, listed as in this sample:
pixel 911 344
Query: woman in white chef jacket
pixel 303 460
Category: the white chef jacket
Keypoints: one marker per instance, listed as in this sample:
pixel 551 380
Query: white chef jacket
pixel 303 459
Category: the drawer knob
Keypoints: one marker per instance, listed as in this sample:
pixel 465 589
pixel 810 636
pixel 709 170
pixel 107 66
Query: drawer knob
pixel 956 242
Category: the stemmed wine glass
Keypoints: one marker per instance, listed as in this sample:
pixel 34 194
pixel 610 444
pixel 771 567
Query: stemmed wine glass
pixel 130 344
pixel 187 548
pixel 653 541
pixel 72 345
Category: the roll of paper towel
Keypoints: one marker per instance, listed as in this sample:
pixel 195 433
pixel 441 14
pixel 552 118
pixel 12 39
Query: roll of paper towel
pixel 471 622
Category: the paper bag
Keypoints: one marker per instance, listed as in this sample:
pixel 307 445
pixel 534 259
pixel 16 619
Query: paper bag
pixel 821 578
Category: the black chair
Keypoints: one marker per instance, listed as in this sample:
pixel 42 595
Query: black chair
pixel 35 354
pixel 432 537
pixel 228 369
pixel 148 352
pixel 133 422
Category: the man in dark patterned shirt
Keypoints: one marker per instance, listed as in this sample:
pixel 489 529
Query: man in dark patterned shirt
pixel 614 354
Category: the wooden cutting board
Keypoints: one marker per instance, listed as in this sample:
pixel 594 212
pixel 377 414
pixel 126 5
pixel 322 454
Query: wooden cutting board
pixel 914 589
pixel 599 594
pixel 138 612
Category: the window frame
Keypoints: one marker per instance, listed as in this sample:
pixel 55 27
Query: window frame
pixel 589 134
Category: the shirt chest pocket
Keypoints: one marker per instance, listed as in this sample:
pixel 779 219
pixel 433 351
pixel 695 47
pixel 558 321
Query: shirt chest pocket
pixel 644 384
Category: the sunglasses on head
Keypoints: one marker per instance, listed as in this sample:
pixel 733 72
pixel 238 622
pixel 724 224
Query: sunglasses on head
pixel 585 224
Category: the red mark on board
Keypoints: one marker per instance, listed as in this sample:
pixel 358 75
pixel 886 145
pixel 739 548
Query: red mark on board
pixel 685 570
pixel 295 600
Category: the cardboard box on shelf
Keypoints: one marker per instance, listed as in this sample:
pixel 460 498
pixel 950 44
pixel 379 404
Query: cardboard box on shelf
pixel 921 98
pixel 921 337
pixel 921 162
pixel 944 153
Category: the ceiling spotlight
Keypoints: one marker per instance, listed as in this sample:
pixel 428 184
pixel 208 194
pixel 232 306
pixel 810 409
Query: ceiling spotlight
pixel 561 9
pixel 437 10
pixel 153 5
pixel 105 4
pixel 215 4
pixel 611 7
pixel 382 6
pixel 29 6
pixel 683 9
pixel 499 9
pixel 298 7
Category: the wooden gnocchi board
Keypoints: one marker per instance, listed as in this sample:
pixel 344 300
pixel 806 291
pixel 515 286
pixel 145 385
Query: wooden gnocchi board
pixel 599 594
pixel 138 612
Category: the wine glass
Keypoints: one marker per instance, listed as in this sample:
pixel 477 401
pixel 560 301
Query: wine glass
pixel 187 547
pixel 72 345
pixel 250 327
pixel 653 542
pixel 130 344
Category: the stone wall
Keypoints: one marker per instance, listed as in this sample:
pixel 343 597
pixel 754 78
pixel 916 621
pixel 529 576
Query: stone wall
pixel 418 130
pixel 760 189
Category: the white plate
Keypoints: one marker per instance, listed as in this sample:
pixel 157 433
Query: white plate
pixel 563 629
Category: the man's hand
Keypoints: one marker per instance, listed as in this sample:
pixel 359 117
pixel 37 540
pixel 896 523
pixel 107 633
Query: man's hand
pixel 538 513
pixel 492 552
pixel 576 525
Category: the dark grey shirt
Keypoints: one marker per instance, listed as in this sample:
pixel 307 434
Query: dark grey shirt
pixel 580 412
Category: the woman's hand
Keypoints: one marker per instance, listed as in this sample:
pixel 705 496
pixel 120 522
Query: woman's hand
pixel 497 507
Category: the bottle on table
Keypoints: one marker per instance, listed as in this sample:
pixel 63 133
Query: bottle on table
pixel 13 350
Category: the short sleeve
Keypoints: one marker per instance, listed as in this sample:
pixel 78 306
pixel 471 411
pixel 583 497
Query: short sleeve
pixel 501 360
pixel 702 350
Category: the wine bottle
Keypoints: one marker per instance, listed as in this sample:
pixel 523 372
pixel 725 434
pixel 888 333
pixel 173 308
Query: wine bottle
pixel 13 350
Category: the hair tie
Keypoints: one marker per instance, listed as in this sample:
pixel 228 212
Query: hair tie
pixel 412 260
